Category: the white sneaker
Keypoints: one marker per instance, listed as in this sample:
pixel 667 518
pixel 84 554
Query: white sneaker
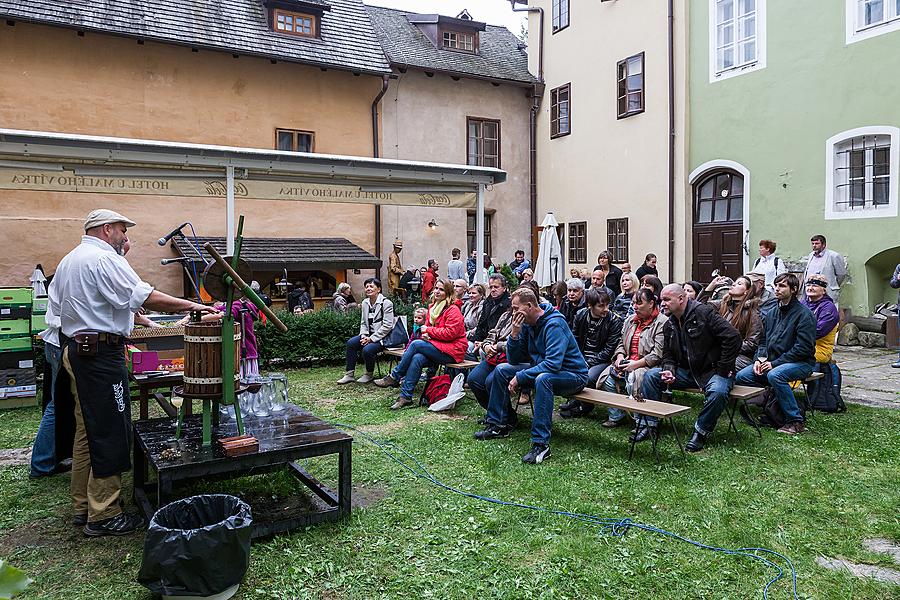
pixel 367 378
pixel 349 377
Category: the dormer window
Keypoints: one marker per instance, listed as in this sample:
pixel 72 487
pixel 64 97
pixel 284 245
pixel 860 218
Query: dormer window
pixel 458 40
pixel 457 34
pixel 295 23
pixel 302 18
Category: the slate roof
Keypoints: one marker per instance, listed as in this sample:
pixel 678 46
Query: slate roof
pixel 502 55
pixel 348 39
pixel 294 254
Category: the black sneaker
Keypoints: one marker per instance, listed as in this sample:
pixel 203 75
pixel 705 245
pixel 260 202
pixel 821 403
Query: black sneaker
pixel 492 432
pixel 579 410
pixel 569 405
pixel 538 454
pixel 79 520
pixel 121 524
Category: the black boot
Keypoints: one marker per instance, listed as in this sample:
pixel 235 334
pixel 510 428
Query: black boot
pixel 696 443
pixel 644 432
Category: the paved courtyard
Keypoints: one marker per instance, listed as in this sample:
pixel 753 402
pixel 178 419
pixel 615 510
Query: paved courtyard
pixel 868 376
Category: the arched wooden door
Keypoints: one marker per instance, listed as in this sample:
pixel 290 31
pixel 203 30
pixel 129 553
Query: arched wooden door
pixel 718 221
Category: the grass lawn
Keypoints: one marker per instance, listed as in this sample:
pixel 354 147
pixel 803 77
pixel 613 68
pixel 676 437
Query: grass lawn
pixel 821 493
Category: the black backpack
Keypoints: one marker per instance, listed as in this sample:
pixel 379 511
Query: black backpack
pixel 825 394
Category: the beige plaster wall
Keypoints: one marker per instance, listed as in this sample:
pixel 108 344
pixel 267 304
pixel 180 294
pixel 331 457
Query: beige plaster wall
pixel 608 167
pixel 424 118
pixel 53 80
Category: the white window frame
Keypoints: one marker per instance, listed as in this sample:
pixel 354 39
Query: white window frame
pixel 889 210
pixel 858 33
pixel 760 63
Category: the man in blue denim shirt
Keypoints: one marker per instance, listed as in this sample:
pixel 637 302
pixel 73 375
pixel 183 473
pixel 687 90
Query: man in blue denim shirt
pixel 544 356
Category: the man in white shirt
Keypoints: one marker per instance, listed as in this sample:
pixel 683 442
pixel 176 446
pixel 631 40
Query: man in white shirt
pixel 95 293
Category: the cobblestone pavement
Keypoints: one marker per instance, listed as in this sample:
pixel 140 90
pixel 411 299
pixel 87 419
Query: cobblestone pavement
pixel 868 376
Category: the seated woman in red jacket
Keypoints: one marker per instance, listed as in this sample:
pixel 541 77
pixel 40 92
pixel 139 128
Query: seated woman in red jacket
pixel 443 342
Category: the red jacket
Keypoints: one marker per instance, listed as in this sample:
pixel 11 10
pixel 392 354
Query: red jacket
pixel 448 333
pixel 428 280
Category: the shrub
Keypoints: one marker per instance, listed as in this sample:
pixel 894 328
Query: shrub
pixel 512 282
pixel 316 337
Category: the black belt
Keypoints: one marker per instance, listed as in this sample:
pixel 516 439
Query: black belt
pixel 113 339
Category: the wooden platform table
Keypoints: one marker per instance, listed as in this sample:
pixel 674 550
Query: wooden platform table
pixel 283 437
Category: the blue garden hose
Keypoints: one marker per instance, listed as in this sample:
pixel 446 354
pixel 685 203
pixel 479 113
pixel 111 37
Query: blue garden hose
pixel 608 526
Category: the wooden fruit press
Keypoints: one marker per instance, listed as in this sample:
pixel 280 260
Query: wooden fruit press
pixel 212 352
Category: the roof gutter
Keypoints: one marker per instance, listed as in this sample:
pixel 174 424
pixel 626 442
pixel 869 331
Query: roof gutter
pixel 533 118
pixel 385 82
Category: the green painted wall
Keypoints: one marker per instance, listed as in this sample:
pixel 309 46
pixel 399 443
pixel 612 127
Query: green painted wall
pixel 775 122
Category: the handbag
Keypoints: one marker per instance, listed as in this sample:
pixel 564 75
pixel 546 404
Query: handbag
pixel 497 359
pixel 398 337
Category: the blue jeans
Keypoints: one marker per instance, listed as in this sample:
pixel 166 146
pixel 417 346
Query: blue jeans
pixel 416 357
pixel 480 380
pixel 369 352
pixel 43 453
pixel 716 391
pixel 615 414
pixel 546 386
pixel 779 379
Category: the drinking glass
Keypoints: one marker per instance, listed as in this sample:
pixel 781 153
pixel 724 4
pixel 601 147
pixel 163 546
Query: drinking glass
pixel 280 387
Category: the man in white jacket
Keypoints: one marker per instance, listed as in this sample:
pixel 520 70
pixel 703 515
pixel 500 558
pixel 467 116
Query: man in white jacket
pixel 827 263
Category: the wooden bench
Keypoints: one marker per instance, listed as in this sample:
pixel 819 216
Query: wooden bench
pixel 648 408
pixel 739 396
pixel 397 353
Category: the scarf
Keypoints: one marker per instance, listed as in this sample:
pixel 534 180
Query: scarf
pixel 642 323
pixel 436 309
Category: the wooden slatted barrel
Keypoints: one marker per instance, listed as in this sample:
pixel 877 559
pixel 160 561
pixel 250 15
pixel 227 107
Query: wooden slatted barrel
pixel 203 358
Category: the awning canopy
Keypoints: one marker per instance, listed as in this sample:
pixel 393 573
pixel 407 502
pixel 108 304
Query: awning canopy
pixel 82 163
pixel 64 162
pixel 293 254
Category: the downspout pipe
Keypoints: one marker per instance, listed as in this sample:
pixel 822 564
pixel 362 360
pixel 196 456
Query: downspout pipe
pixel 671 140
pixel 540 11
pixel 385 82
pixel 533 118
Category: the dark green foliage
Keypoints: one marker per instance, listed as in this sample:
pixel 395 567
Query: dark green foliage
pixel 319 336
pixel 314 338
pixel 512 282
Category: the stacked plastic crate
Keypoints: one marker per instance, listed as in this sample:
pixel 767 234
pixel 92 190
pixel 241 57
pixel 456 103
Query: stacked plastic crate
pixel 17 377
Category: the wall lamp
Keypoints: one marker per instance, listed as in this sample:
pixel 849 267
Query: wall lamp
pixel 432 224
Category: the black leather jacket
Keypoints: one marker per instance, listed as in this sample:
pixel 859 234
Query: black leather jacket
pixel 597 348
pixel 569 310
pixel 490 314
pixel 702 342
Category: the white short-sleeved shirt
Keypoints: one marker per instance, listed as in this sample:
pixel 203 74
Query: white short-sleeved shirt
pixel 96 289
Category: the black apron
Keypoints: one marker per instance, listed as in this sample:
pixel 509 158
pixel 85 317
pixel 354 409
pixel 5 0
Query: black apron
pixel 103 390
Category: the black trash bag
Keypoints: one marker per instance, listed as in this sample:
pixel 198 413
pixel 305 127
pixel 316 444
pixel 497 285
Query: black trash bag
pixel 198 546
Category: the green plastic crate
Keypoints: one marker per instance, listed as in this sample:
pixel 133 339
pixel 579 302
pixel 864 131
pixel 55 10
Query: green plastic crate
pixel 39 306
pixel 15 296
pixel 15 328
pixel 16 344
pixel 38 323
